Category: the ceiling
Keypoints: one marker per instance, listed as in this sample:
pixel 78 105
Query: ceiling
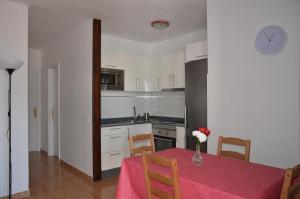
pixel 49 19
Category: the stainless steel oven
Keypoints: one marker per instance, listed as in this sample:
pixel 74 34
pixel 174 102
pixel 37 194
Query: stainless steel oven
pixel 112 79
pixel 164 136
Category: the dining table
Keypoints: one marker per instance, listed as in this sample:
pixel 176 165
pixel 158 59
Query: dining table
pixel 217 178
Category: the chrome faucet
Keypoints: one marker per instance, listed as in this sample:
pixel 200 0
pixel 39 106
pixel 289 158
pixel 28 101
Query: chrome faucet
pixel 134 114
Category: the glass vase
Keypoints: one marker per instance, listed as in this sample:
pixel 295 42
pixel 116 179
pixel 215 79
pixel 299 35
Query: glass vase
pixel 197 157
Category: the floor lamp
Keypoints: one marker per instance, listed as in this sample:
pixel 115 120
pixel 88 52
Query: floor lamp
pixel 10 65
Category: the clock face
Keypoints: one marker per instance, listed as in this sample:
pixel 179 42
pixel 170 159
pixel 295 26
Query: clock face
pixel 270 40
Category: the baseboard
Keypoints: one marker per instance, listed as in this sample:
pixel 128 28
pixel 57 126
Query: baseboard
pixel 75 171
pixel 44 152
pixel 111 173
pixel 19 195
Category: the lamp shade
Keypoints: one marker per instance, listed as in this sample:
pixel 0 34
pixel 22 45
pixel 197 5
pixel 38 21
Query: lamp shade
pixel 10 63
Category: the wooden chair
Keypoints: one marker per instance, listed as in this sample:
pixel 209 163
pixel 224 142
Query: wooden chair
pixel 290 190
pixel 168 180
pixel 237 142
pixel 138 138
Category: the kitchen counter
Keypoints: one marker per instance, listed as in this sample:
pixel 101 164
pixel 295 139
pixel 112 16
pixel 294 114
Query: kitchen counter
pixel 153 120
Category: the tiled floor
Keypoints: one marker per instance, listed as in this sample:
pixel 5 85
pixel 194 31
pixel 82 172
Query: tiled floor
pixel 50 180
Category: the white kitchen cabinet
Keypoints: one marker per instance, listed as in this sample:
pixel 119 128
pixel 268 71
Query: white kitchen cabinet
pixel 114 146
pixel 140 129
pixel 171 70
pixel 114 143
pixel 155 74
pixel 136 72
pixel 113 159
pixel 196 51
pixel 180 139
pixel 178 69
pixel 135 68
pixel 115 140
pixel 152 84
pixel 113 60
pixel 148 73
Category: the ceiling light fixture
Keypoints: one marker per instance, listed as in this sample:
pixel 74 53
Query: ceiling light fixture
pixel 160 24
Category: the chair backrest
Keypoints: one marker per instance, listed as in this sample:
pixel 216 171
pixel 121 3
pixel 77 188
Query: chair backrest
pixel 295 192
pixel 290 190
pixel 155 176
pixel 237 142
pixel 139 138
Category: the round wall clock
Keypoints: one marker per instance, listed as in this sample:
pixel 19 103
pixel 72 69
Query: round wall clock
pixel 270 40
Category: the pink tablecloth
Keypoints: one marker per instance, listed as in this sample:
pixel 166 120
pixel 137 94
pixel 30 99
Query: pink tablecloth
pixel 217 178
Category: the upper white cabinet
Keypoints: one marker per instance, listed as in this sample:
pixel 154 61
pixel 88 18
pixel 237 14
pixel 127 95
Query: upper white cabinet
pixel 135 73
pixel 135 67
pixel 196 51
pixel 177 67
pixel 113 60
pixel 167 70
pixel 148 73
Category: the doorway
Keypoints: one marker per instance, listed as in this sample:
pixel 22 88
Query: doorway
pixel 34 89
pixel 54 111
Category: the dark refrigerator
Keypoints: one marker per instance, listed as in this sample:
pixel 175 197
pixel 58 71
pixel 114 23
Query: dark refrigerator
pixel 195 100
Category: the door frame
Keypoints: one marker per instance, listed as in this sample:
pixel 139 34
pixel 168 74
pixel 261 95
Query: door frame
pixel 57 117
pixel 96 95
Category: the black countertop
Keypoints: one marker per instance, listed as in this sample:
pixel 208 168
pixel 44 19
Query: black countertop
pixel 153 120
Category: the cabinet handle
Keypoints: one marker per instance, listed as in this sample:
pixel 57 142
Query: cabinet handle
pixel 173 80
pixel 136 83
pixel 201 56
pixel 186 125
pixel 113 129
pixel 114 154
pixel 112 66
pixel 140 83
pixel 34 112
pixel 114 137
pixel 158 83
pixel 170 80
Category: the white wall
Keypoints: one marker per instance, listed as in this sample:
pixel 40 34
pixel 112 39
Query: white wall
pixel 14 43
pixel 251 95
pixel 115 44
pixel 74 52
pixel 112 43
pixel 178 43
pixel 167 104
pixel 34 59
pixel 120 104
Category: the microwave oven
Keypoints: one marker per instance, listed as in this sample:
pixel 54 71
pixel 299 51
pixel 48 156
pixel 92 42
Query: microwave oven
pixel 112 79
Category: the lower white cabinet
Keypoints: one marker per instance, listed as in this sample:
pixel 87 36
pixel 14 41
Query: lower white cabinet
pixel 114 143
pixel 115 140
pixel 140 129
pixel 114 146
pixel 180 140
pixel 113 159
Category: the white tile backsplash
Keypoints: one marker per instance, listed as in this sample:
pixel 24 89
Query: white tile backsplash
pixel 120 104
